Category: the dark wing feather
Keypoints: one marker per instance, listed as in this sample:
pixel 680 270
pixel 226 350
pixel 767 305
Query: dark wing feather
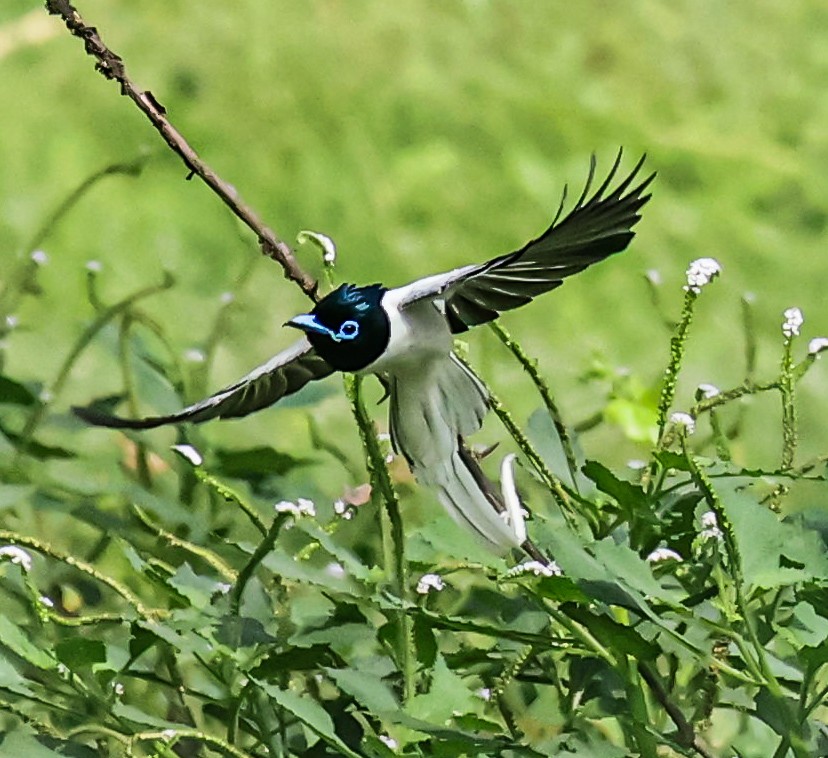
pixel 598 226
pixel 282 375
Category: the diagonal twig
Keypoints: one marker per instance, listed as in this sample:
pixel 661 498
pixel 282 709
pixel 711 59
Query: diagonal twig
pixel 112 67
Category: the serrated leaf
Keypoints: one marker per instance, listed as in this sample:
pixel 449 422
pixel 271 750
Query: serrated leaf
pixel 613 634
pixel 425 643
pixel 367 689
pixel 296 659
pixel 80 652
pixel 24 744
pixel 16 640
pixel 196 588
pixel 241 631
pixel 310 713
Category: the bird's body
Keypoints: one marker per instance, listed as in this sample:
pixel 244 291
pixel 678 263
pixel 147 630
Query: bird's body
pixel 406 335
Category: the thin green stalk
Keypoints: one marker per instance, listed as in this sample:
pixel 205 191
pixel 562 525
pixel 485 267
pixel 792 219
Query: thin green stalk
pixel 58 555
pixel 263 548
pixel 205 554
pixel 531 367
pixel 52 391
pixel 798 744
pixel 642 734
pixel 381 482
pixel 786 387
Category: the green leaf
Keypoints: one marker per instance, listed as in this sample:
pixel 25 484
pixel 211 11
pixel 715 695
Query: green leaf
pixel 255 463
pixel 296 659
pixel 80 652
pixel 196 588
pixel 14 494
pixel 241 631
pixel 367 689
pixel 15 639
pixel 310 713
pixel 612 634
pixel 15 393
pixel 773 553
pixel 447 694
pixel 23 743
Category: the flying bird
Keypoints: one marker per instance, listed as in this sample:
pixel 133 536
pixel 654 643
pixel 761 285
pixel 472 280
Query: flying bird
pixel 405 335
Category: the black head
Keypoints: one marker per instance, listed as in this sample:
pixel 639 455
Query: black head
pixel 349 327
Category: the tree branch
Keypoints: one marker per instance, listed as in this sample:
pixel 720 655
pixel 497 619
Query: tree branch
pixel 111 66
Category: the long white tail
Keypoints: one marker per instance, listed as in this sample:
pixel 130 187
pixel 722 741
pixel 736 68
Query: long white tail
pixel 432 407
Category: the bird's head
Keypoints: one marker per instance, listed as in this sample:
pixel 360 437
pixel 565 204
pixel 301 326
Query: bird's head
pixel 349 327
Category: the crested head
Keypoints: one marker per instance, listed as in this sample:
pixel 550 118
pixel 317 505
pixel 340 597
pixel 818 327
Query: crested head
pixel 348 327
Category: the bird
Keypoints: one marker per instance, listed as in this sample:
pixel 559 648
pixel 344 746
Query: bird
pixel 405 335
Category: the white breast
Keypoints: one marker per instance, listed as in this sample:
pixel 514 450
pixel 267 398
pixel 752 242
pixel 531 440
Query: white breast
pixel 419 334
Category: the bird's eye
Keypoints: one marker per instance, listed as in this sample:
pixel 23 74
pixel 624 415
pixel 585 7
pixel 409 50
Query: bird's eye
pixel 348 330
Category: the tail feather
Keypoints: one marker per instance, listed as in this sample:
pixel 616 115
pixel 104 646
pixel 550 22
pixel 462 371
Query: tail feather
pixel 431 409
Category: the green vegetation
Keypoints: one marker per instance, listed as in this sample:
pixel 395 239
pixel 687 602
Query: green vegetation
pixel 169 609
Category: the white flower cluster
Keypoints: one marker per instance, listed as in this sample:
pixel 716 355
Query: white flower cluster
pixel 537 568
pixel 701 272
pixel 16 555
pixel 302 507
pixel 706 391
pixel 684 421
pixel 663 554
pixel 817 345
pixel 710 527
pixel 429 583
pixel 343 510
pixel 793 321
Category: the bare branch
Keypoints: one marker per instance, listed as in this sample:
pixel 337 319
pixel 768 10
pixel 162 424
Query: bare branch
pixel 111 66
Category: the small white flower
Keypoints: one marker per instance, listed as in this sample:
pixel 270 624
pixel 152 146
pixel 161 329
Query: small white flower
pixel 12 322
pixel 793 320
pixel 189 453
pixel 94 267
pixel 45 395
pixel 16 555
pixel 685 421
pixel 389 742
pixel 710 526
pixel 47 601
pixel 226 298
pixel 537 568
pixel 636 464
pixel 484 693
pixel 119 688
pixel 194 355
pixel 701 272
pixel 335 570
pixel 343 510
pixel 661 554
pixel 168 735
pixel 653 276
pixel 817 345
pixel 302 507
pixel 429 582
pixel 223 588
pixel 707 391
pixel 40 258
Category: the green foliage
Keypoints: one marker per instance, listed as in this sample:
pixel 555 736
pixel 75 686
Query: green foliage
pixel 169 609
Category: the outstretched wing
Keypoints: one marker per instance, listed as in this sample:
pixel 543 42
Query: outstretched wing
pixel 597 226
pixel 282 375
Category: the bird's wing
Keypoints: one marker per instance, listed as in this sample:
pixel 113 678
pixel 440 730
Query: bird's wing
pixel 596 227
pixel 282 375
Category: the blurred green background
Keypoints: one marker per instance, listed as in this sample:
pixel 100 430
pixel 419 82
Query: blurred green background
pixel 420 136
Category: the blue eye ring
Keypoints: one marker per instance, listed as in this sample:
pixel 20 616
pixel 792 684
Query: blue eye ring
pixel 348 330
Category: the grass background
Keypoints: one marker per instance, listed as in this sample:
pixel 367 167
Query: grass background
pixel 421 136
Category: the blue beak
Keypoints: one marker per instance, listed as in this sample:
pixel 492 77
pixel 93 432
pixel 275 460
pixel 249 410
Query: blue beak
pixel 308 323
